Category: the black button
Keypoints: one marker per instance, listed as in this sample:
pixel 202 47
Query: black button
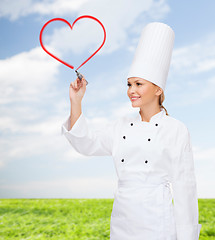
pixel 124 137
pixel 156 124
pixel 146 161
pixel 149 139
pixel 122 160
pixel 131 124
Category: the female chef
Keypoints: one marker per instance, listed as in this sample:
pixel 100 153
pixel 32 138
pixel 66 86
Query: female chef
pixel 156 197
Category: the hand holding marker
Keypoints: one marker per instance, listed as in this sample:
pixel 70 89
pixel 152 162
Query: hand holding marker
pixel 80 76
pixel 76 85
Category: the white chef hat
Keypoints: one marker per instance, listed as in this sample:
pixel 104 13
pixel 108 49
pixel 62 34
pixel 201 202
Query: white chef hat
pixel 153 54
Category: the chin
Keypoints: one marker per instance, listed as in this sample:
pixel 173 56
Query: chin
pixel 135 105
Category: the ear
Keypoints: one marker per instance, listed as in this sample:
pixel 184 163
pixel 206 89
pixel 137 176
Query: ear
pixel 158 91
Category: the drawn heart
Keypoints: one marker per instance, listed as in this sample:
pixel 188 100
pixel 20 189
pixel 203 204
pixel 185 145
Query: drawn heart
pixel 71 27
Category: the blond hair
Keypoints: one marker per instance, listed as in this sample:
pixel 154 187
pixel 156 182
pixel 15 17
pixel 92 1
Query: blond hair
pixel 161 100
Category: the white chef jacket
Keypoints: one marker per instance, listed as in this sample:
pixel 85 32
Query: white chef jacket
pixel 154 164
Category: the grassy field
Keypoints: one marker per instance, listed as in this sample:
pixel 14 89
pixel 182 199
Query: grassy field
pixel 76 219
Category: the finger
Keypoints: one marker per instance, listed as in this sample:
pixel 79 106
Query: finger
pixel 84 82
pixel 80 82
pixel 76 83
pixel 72 85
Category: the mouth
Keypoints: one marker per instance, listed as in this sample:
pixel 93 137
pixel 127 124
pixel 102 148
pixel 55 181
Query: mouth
pixel 134 98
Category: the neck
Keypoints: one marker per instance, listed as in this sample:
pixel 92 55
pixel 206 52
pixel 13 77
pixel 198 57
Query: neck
pixel 147 113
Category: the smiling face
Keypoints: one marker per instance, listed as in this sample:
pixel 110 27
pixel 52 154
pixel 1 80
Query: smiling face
pixel 142 92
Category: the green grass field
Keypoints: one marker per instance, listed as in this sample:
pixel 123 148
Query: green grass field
pixel 76 219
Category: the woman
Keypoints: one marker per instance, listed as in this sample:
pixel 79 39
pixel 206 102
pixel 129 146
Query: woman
pixel 152 151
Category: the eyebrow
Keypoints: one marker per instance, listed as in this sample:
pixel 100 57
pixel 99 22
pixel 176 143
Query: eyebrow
pixel 135 81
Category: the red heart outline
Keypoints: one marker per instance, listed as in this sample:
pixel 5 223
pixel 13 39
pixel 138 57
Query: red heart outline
pixel 71 26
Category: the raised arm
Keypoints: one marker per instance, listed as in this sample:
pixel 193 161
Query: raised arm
pixel 85 140
pixel 77 90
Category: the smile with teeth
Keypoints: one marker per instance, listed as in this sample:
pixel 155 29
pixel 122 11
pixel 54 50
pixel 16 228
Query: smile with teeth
pixel 134 98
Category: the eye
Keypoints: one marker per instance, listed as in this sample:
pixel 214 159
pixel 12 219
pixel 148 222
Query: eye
pixel 130 84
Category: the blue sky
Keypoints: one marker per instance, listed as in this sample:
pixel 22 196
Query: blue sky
pixel 36 160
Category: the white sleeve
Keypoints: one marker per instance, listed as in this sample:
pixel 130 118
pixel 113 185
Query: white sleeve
pixel 185 190
pixel 97 142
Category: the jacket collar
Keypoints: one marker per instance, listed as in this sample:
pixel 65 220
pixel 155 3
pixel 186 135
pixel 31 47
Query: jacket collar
pixel 154 118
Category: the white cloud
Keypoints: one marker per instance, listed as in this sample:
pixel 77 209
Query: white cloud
pixel 105 186
pixel 206 155
pixel 195 58
pixel 192 91
pixel 81 39
pixel 28 133
pixel 126 17
pixel 26 76
pixel 204 164
pixel 208 89
pixel 159 9
pixel 87 35
pixel 29 130
pixel 25 121
pixel 43 136
pixel 57 7
pixel 26 80
pixel 27 145
pixel 192 72
pixel 96 187
pixel 16 9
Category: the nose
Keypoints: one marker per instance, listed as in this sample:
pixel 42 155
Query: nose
pixel 131 89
